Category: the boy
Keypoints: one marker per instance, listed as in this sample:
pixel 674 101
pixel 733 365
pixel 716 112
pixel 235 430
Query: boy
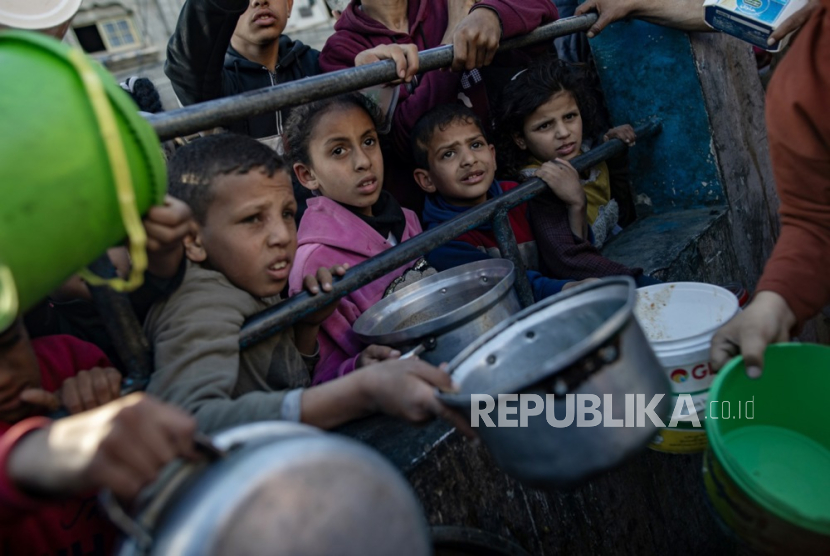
pixel 456 166
pixel 239 260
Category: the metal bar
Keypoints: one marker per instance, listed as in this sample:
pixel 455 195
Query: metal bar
pixel 272 320
pixel 509 249
pixel 123 328
pixel 219 112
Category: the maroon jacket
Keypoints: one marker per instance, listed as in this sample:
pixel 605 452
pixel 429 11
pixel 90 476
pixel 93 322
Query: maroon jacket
pixel 799 139
pixel 356 32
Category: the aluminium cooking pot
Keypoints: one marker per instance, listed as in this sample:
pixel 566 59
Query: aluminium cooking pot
pixel 439 315
pixel 280 488
pixel 582 341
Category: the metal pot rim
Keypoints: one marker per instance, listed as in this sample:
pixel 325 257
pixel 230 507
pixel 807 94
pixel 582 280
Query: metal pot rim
pixel 445 322
pixel 562 360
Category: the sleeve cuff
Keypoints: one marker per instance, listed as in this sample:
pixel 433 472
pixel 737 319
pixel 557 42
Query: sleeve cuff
pixel 292 405
pixel 10 496
pixel 492 9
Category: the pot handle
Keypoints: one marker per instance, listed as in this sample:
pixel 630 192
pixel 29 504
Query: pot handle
pixel 139 532
pixel 427 345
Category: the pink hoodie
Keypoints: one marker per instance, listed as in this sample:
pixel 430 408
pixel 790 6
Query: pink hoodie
pixel 329 234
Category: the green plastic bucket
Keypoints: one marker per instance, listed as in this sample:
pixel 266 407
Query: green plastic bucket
pixel 60 209
pixel 767 471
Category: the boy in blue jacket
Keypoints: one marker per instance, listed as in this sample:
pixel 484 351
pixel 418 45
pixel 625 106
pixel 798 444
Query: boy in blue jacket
pixel 456 166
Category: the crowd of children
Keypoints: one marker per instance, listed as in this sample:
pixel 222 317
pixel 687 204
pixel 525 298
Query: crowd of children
pixel 228 245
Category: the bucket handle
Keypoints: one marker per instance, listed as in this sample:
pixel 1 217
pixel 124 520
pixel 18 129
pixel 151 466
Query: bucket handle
pixel 8 298
pixel 121 174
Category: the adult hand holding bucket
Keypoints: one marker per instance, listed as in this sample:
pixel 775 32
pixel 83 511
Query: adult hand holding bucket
pixel 767 320
pixel 77 165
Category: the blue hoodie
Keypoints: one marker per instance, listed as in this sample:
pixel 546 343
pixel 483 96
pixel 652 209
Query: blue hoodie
pixel 480 244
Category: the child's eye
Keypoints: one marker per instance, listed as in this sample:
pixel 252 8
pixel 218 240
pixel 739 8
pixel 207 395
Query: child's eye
pixel 288 214
pixel 571 116
pixel 252 219
pixel 543 127
pixel 370 141
pixel 337 151
pixel 447 154
pixel 477 145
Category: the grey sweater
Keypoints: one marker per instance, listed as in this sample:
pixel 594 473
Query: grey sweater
pixel 198 363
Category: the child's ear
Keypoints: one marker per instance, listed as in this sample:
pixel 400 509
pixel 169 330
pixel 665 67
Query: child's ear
pixel 194 250
pixel 306 176
pixel 424 181
pixel 519 139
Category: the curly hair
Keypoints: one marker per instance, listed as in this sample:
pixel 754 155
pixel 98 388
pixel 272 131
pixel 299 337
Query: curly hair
pixel 192 172
pixel 532 88
pixel 304 119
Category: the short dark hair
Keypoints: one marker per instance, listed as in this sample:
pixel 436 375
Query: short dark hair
pixel 530 89
pixel 194 168
pixel 439 118
pixel 303 119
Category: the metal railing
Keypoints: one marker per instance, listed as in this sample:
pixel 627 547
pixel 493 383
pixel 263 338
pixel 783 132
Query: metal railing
pixel 274 319
pixel 219 112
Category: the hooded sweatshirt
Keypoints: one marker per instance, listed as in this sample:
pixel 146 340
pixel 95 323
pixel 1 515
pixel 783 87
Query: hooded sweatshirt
pixel 203 66
pixel 33 525
pixel 330 234
pixel 356 31
pixel 480 244
pixel 799 143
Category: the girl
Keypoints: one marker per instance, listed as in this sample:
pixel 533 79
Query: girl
pixel 549 112
pixel 333 144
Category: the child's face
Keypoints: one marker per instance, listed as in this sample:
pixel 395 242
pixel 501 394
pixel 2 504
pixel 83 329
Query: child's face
pixel 249 234
pixel 554 130
pixel 461 164
pixel 19 370
pixel 264 21
pixel 346 161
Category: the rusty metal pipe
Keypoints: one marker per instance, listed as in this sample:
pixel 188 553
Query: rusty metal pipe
pixel 219 112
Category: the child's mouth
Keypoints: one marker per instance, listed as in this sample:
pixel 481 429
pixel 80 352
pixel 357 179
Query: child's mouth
pixel 474 178
pixel 264 19
pixel 279 270
pixel 367 187
pixel 566 149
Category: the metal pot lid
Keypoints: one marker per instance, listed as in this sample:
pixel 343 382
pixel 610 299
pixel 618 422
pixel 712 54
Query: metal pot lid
pixel 436 304
pixel 543 340
pixel 290 489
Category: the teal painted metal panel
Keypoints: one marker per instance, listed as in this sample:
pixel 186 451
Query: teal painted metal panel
pixel 647 70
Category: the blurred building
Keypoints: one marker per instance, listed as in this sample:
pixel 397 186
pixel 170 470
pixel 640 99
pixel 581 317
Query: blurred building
pixel 129 37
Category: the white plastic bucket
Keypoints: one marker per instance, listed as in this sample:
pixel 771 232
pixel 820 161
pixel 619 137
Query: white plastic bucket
pixel 679 320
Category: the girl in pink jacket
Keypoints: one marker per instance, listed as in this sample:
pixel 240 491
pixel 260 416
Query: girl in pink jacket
pixel 333 144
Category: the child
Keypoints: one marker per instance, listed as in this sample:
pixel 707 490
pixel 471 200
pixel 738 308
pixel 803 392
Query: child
pixel 35 378
pixel 541 118
pixel 334 146
pixel 548 112
pixel 456 167
pixel 239 259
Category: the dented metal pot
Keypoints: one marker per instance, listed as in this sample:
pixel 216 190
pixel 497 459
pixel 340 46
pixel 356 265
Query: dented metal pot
pixel 583 341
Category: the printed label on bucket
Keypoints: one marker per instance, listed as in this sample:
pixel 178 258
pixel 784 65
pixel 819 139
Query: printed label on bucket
pixel 691 379
pixel 680 441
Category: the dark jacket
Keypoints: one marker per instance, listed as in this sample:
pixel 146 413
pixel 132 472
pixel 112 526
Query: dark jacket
pixel 480 244
pixel 202 65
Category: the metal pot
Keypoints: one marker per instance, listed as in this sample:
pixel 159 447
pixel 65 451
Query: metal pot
pixel 282 488
pixel 582 341
pixel 440 315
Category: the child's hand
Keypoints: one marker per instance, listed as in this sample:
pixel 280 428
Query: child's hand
pixel 313 284
pixel 375 354
pixel 86 390
pixel 624 133
pixel 570 285
pixel 563 180
pixel 166 226
pixel 405 388
pixel 121 446
pixel 405 57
